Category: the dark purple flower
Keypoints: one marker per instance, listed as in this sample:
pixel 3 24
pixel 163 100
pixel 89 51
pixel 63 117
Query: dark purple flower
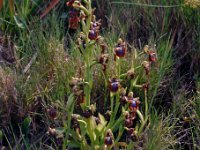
pixel 120 51
pixel 114 85
pixel 108 140
pixel 133 104
pixel 87 113
pixel 93 34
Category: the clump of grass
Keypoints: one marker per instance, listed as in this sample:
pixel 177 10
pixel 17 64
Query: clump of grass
pixel 8 95
pixel 159 135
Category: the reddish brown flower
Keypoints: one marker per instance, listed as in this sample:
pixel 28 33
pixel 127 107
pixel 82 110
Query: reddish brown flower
pixel 52 112
pixel 123 97
pixel 97 120
pixel 103 59
pixel 123 100
pixel 131 131
pixel 74 122
pixel 152 56
pixel 129 118
pixel 128 121
pixel 130 74
pixel 108 140
pixel 145 86
pixel 73 19
pixel 146 48
pixel 81 98
pixel 131 134
pixel 70 3
pixel 107 115
pixel 52 132
pixel 146 66
pixel 77 86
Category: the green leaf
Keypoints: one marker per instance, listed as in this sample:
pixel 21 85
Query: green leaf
pixel 102 119
pixel 73 144
pixel 25 125
pixel 91 128
pixel 20 22
pixel 74 135
pixel 83 126
pixel 102 125
pixel 92 123
pixel 25 128
pixel 70 102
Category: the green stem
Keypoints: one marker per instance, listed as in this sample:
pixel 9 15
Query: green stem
pixel 88 53
pixel 70 110
pixel 122 76
pixel 138 67
pixel 119 66
pixel 106 85
pixel 137 86
pixel 142 126
pixel 112 103
pixel 88 79
pixel 143 122
pixel 146 103
pixel 112 107
pixel 115 110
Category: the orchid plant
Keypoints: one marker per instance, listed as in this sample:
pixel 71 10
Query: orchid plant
pixel 90 129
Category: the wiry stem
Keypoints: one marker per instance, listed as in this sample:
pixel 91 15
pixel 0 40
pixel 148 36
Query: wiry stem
pixel 146 103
